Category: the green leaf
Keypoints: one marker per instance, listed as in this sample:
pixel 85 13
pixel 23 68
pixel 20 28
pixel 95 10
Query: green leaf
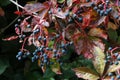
pixel 4 2
pixel 55 66
pixel 51 43
pixel 113 68
pixel 60 1
pixel 48 73
pixel 3 65
pixel 112 34
pixel 118 40
pixel 99 62
pixel 86 73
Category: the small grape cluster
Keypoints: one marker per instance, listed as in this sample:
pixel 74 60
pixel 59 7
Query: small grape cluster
pixel 21 55
pixel 73 17
pixel 40 39
pixel 44 54
pixel 103 9
pixel 113 77
pixel 113 59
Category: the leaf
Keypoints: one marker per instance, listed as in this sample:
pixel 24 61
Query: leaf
pixel 48 73
pixel 34 7
pixel 2 13
pixel 60 1
pixel 85 73
pixel 112 34
pixel 71 30
pixel 3 65
pixel 86 4
pixel 112 26
pixel 44 23
pixel 101 20
pixel 60 14
pixel 84 45
pixel 69 3
pixel 113 67
pixel 99 62
pixel 10 38
pixel 118 40
pixel 51 43
pixel 55 66
pixel 4 2
pixel 98 33
pixel 99 43
pixel 115 12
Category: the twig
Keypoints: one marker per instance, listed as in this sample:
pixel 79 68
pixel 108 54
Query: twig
pixel 22 7
pixel 3 29
pixel 17 4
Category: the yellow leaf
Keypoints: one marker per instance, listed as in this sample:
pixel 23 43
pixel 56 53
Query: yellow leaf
pixel 98 33
pixel 86 73
pixel 112 26
pixel 113 67
pixel 99 60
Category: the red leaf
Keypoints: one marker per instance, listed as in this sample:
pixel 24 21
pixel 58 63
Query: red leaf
pixel 10 38
pixel 17 30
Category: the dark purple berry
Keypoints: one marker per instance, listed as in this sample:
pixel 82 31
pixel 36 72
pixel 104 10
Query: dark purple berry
pixel 20 53
pixel 28 26
pixel 95 8
pixel 110 74
pixel 118 76
pixel 39 38
pixel 116 62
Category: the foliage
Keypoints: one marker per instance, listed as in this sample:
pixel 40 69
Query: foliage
pixel 61 31
pixel 4 2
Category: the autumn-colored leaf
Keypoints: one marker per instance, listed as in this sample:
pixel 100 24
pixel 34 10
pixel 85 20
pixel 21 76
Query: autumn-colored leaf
pixel 24 28
pixel 112 26
pixel 34 7
pixel 85 73
pixel 84 46
pixel 98 33
pixel 99 60
pixel 101 20
pixel 60 14
pixel 10 38
pixel 17 30
pixel 2 13
pixel 71 30
pixel 99 43
pixel 86 4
